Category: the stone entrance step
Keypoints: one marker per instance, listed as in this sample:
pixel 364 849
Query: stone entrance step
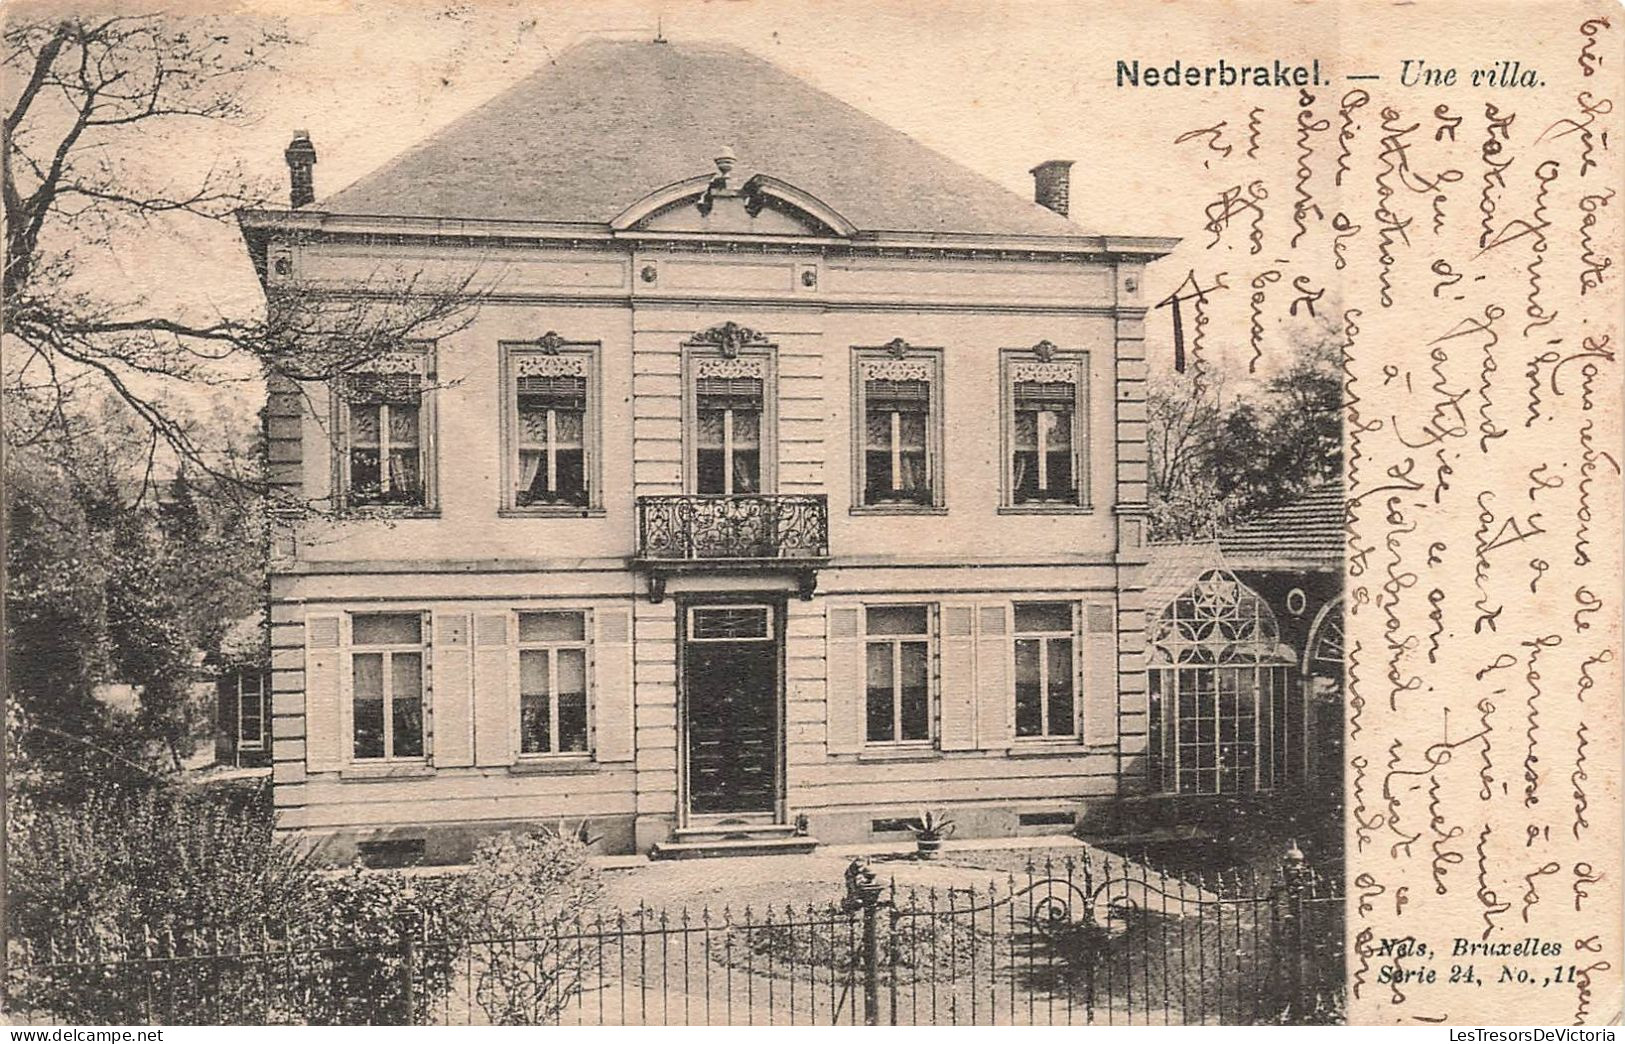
pixel 732 830
pixel 772 841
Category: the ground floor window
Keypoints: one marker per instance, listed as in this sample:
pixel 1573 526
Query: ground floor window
pixel 1227 702
pixel 386 685
pixel 553 683
pixel 1046 673
pixel 250 710
pixel 898 674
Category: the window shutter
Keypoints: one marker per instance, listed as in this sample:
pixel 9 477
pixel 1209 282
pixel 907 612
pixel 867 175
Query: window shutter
pixel 613 712
pixel 1099 674
pixel 324 719
pixel 958 688
pixel 994 694
pixel 453 691
pixel 843 686
pixel 493 712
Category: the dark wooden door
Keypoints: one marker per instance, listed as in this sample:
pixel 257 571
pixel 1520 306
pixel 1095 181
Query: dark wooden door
pixel 732 700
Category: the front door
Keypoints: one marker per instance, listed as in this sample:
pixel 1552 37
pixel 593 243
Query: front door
pixel 731 708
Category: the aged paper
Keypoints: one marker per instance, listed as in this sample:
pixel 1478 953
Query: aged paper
pixel 1413 212
pixel 1447 191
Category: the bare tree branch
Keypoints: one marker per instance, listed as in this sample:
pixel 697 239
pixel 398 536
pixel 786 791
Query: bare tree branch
pixel 91 97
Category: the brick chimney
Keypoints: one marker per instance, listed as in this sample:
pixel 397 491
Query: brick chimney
pixel 1052 185
pixel 301 157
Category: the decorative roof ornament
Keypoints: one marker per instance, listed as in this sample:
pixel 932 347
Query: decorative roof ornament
pixel 550 342
pixel 721 185
pixel 729 338
pixel 897 348
pixel 1045 350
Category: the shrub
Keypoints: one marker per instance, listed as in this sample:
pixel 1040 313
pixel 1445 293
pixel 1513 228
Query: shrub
pixel 354 973
pixel 163 872
pixel 527 894
pixel 825 945
pixel 174 906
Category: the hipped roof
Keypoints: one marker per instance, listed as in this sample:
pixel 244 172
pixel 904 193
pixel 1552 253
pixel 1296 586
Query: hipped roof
pixel 610 121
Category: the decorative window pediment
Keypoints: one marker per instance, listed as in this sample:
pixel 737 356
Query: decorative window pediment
pixel 551 426
pixel 1045 373
pixel 1046 428
pixel 898 369
pixel 409 361
pixel 724 369
pixel 530 365
pixel 730 338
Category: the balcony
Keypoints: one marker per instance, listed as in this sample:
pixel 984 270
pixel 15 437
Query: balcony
pixel 765 533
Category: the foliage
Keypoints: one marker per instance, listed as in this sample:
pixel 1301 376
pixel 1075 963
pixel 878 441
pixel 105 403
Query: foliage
pixel 357 974
pixel 933 825
pixel 920 946
pixel 160 907
pixel 526 895
pixel 160 871
pixel 1227 964
pixel 109 582
pixel 582 832
pixel 1216 462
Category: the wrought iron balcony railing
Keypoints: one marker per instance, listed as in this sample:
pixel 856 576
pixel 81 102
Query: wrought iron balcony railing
pixel 789 527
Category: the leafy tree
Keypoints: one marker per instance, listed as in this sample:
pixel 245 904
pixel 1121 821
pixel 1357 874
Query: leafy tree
pixel 102 379
pixel 1214 463
pixel 108 581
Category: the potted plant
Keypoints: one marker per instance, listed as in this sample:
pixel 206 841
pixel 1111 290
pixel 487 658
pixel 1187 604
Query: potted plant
pixel 930 831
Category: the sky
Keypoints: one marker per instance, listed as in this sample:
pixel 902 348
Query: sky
pixel 997 87
pixel 984 85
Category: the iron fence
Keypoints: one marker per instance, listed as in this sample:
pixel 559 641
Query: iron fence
pixel 1087 941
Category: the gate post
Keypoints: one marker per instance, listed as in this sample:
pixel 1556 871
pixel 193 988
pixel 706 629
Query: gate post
pixel 409 962
pixel 863 894
pixel 1293 872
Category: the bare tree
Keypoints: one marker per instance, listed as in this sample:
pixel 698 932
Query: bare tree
pixel 86 101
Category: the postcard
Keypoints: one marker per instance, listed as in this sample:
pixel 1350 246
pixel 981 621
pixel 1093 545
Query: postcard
pixel 667 513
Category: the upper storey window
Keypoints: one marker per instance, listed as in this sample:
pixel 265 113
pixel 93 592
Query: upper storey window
pixel 1045 429
pixel 898 428
pixel 384 420
pixel 552 426
pixel 728 435
pixel 729 402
